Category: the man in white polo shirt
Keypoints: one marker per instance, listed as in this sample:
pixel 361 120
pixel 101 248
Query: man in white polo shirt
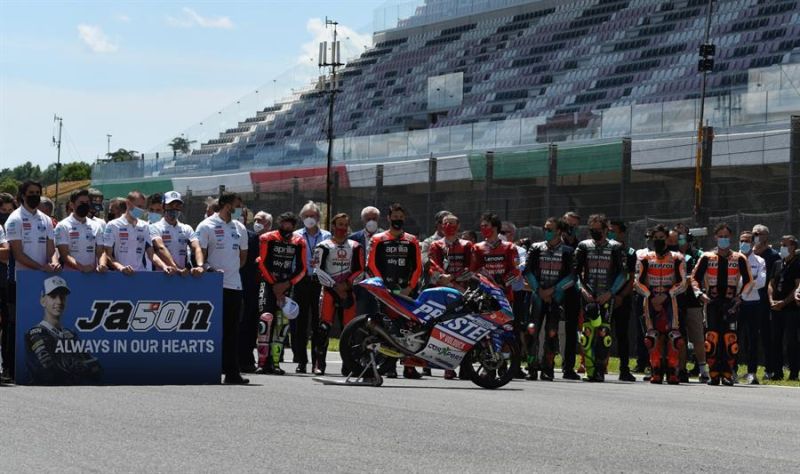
pixel 127 240
pixel 223 240
pixel 79 237
pixel 171 237
pixel 30 232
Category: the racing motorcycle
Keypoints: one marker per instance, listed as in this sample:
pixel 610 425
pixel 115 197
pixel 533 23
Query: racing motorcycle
pixel 441 329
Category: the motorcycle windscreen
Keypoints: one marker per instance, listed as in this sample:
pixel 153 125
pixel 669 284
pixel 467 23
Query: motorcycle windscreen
pixel 498 294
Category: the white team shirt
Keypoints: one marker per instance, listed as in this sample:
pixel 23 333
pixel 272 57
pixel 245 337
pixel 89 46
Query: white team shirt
pixel 758 270
pixel 128 242
pixel 223 241
pixel 81 237
pixel 34 230
pixel 2 235
pixel 175 237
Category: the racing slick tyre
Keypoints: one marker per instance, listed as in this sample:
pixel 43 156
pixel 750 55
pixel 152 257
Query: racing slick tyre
pixel 354 346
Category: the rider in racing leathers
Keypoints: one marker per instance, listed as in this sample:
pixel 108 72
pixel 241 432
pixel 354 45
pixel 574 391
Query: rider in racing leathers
pixel 549 274
pixel 341 260
pixel 660 278
pixel 601 274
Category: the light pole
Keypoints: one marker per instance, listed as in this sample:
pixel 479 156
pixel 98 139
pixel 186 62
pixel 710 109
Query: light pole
pixel 60 121
pixel 705 65
pixel 108 148
pixel 333 64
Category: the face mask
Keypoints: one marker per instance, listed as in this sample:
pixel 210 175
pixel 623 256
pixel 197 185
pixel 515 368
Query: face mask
pixel 153 217
pixel 649 244
pixel 549 235
pixel 137 212
pixel 397 224
pixel 450 230
pixel 486 232
pixel 285 233
pixel 309 222
pixel 371 226
pixel 612 235
pixel 597 235
pixel 570 230
pixel 723 243
pixel 682 240
pixel 660 246
pixel 173 214
pixel 97 208
pixel 784 252
pixel 502 237
pixel 82 210
pixel 33 201
pixel 258 227
pixel 673 248
pixel 237 213
pixel 745 247
pixel 4 218
pixel 340 233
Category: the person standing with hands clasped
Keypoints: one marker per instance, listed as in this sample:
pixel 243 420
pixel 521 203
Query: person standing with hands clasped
pixel 223 240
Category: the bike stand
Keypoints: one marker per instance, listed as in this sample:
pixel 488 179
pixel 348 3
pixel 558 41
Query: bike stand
pixel 359 381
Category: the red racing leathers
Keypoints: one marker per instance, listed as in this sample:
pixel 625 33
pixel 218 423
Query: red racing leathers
pixel 449 258
pixel 659 277
pixel 498 261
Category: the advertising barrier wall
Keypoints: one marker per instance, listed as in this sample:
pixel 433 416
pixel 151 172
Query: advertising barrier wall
pixel 147 328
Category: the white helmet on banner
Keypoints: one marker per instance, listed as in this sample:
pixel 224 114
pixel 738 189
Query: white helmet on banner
pixel 290 308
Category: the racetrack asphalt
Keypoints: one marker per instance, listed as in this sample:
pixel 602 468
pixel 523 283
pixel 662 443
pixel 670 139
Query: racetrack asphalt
pixel 294 424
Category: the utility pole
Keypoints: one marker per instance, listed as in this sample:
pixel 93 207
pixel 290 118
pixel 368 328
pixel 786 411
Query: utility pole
pixel 334 63
pixel 60 121
pixel 705 65
pixel 108 148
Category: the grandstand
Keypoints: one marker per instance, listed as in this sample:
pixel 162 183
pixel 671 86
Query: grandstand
pixel 563 60
pixel 458 78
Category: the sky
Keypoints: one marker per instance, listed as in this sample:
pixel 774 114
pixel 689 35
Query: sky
pixel 146 71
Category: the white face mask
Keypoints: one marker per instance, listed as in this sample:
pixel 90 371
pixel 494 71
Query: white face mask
pixel 784 252
pixel 309 222
pixel 258 227
pixel 371 226
pixel 502 238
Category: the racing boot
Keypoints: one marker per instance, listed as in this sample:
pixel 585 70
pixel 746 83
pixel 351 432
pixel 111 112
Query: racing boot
pixel 533 374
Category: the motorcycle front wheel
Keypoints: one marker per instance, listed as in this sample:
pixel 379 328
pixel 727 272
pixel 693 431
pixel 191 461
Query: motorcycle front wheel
pixel 488 368
pixel 354 345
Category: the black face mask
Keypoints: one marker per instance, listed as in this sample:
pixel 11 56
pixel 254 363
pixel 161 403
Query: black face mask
pixel 122 208
pixel 33 201
pixel 285 233
pixel 97 208
pixel 82 210
pixel 673 248
pixel 3 218
pixel 397 224
pixel 110 217
pixel 660 246
pixel 597 235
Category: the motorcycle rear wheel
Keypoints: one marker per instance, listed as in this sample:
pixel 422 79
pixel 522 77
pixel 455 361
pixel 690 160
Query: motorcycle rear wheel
pixel 354 345
pixel 487 371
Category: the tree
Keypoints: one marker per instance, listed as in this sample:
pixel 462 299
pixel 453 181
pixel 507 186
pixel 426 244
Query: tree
pixel 182 145
pixel 9 185
pixel 76 171
pixel 123 155
pixel 27 171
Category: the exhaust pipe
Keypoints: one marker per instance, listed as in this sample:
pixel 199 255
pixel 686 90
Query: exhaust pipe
pixel 378 329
